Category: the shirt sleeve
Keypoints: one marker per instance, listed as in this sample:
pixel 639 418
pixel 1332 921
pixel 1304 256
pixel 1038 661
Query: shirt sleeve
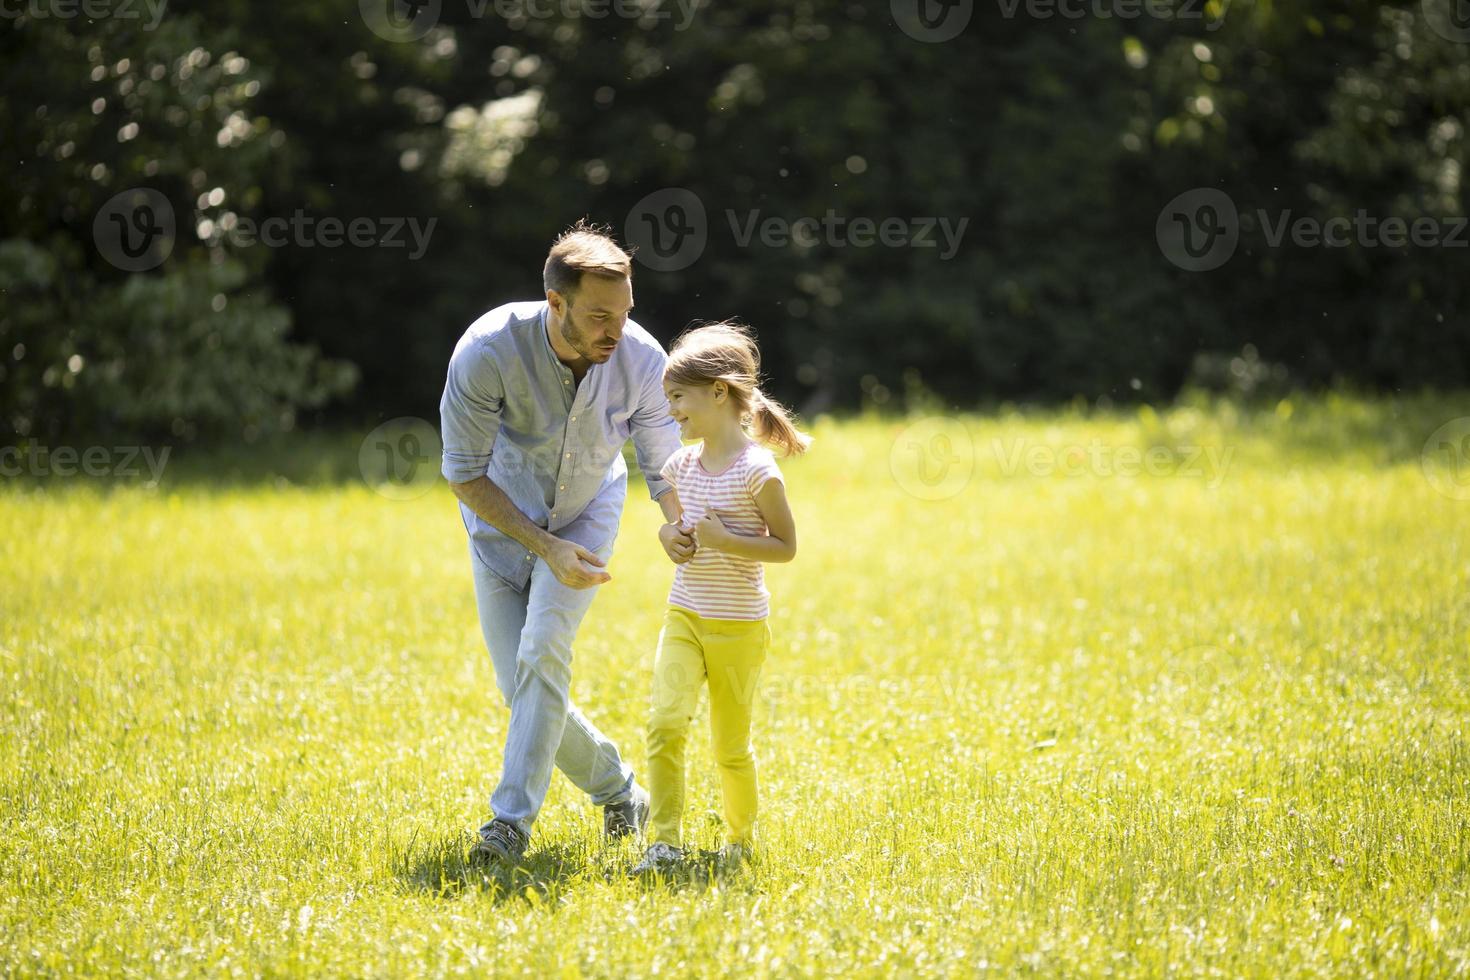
pixel 655 433
pixel 670 471
pixel 470 413
pixel 762 468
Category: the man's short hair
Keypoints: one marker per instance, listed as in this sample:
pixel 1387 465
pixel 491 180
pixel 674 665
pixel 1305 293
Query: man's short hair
pixel 584 248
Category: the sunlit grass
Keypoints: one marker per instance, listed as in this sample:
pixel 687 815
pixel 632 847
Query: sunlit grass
pixel 1059 720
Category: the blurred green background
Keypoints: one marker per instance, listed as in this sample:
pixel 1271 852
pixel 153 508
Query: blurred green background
pixel 1052 136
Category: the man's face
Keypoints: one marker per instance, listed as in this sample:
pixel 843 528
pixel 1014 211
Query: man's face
pixel 593 319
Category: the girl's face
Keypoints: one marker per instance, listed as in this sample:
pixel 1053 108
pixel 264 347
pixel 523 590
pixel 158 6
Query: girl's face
pixel 698 408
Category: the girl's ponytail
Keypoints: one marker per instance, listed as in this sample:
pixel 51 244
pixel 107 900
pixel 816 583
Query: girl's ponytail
pixel 727 352
pixel 773 425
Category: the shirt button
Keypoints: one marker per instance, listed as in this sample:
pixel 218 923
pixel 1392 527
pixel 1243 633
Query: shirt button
pixel 573 419
pixel 562 487
pixel 569 456
pixel 565 381
pixel 529 557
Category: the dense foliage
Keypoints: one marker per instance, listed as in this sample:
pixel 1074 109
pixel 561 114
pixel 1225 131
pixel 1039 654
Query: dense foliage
pixel 1035 150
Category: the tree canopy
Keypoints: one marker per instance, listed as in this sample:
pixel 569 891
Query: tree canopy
pixel 898 213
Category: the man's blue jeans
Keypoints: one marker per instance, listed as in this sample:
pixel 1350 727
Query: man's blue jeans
pixel 529 635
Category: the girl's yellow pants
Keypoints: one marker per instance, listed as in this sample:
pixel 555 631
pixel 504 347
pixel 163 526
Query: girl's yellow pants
pixel 727 653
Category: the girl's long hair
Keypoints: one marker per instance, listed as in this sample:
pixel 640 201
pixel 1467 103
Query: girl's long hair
pixel 727 352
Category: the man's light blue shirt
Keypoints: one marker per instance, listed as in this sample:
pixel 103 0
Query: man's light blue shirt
pixel 513 412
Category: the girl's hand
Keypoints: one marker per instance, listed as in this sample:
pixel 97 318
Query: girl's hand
pixel 678 543
pixel 711 532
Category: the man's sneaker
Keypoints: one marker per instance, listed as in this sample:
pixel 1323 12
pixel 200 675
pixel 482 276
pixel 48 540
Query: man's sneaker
pixel 628 817
pixel 500 841
pixel 660 858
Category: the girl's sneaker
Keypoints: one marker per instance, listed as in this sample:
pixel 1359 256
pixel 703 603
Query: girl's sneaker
pixel 734 856
pixel 660 858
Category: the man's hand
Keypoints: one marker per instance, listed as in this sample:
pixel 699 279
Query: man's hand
pixel 678 543
pixel 711 532
pixel 569 563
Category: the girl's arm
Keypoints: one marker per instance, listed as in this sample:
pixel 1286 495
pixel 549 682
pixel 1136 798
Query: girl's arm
pixel 669 504
pixel 677 543
pixel 778 545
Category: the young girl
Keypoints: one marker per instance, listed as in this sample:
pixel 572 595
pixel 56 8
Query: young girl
pixel 734 507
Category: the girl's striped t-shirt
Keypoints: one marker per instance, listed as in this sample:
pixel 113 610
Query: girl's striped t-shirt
pixel 714 584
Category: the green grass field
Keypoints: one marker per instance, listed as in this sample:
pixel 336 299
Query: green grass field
pixel 1024 714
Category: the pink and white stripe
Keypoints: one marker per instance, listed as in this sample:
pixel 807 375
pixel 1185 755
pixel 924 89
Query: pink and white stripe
pixel 714 584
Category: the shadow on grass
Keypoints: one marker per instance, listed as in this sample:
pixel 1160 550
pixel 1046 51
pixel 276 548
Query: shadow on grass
pixel 699 871
pixel 443 868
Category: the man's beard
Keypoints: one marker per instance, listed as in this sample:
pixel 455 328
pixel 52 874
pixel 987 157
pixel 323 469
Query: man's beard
pixel 574 340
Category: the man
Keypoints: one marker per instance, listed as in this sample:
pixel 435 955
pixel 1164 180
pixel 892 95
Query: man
pixel 539 401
